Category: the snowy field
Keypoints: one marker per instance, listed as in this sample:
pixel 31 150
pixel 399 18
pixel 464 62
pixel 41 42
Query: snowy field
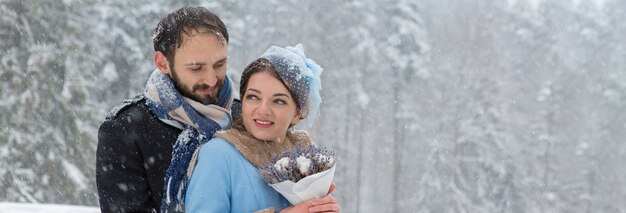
pixel 44 208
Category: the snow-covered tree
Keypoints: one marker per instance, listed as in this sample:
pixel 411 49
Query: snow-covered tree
pixel 432 106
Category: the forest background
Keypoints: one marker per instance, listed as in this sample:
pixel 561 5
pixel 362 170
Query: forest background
pixel 433 105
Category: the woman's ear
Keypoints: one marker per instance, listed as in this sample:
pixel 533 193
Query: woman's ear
pixel 296 118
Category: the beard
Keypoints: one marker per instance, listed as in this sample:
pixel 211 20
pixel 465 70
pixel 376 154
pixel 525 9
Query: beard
pixel 204 99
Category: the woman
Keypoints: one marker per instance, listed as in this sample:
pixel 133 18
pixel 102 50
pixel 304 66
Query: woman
pixel 278 90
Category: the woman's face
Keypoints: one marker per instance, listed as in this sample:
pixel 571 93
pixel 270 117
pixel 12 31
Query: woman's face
pixel 267 107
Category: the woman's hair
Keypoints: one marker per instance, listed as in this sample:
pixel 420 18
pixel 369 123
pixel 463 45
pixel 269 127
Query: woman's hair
pixel 263 65
pixel 299 74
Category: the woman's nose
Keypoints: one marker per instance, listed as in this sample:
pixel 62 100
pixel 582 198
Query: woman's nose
pixel 264 108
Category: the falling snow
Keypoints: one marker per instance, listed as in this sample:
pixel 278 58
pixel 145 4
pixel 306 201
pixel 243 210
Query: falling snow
pixel 432 106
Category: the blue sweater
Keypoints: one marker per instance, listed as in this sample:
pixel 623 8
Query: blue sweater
pixel 225 181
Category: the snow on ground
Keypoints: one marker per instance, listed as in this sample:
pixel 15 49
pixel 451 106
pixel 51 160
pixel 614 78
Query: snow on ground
pixel 44 208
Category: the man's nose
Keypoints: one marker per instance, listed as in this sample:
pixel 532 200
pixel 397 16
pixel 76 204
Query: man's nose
pixel 209 78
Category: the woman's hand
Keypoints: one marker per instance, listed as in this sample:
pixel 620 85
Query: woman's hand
pixel 325 204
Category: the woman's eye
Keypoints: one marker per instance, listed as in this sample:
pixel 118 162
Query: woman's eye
pixel 252 97
pixel 280 101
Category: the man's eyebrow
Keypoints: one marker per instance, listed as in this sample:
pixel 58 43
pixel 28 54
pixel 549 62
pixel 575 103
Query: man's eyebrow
pixel 195 63
pixel 221 61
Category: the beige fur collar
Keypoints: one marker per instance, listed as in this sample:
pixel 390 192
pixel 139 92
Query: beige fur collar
pixel 259 152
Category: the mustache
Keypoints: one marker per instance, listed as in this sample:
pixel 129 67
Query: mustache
pixel 218 86
pixel 200 87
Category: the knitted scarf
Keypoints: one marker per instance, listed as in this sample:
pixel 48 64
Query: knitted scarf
pixel 198 122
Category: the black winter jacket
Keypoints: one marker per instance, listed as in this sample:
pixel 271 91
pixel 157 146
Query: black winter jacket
pixel 133 154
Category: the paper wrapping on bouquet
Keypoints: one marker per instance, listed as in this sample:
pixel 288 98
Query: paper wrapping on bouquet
pixel 312 186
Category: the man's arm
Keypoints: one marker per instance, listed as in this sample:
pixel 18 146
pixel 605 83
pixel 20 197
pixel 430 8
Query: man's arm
pixel 120 172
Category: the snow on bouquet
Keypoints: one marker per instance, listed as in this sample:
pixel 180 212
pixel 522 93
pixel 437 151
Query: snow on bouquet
pixel 301 173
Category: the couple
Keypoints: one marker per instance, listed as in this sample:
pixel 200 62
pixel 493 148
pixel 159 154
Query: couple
pixel 188 117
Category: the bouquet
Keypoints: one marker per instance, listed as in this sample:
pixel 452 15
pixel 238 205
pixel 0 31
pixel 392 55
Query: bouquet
pixel 301 173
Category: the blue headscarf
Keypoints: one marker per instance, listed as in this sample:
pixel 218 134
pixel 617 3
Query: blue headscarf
pixel 301 75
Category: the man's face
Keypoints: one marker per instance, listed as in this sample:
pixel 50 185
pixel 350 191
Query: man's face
pixel 199 67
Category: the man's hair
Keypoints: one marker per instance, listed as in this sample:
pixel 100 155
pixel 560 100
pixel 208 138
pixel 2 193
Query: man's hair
pixel 168 34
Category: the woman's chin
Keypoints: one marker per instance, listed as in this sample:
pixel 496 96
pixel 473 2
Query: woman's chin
pixel 264 137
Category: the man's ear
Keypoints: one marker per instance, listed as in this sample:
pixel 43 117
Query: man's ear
pixel 161 62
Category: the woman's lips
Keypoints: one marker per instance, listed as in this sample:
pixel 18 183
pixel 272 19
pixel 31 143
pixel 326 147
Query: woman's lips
pixel 263 123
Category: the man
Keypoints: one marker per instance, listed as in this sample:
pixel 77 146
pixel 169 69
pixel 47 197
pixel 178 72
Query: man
pixel 151 137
